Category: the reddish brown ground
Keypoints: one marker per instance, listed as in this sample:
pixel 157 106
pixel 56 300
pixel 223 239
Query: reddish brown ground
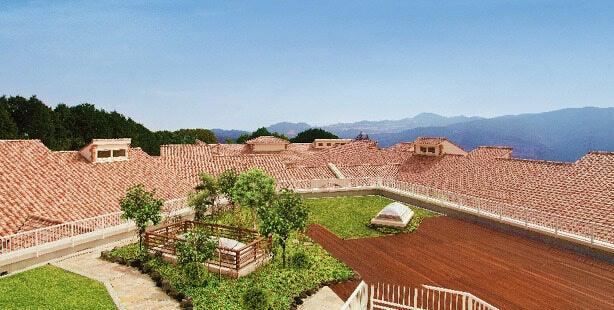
pixel 508 271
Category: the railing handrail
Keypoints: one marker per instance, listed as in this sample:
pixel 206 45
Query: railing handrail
pixel 467 294
pixel 347 304
pixel 560 224
pixel 75 222
pixel 66 230
pixel 503 203
pixel 529 216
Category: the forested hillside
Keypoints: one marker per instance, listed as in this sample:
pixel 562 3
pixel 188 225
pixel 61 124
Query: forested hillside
pixel 72 127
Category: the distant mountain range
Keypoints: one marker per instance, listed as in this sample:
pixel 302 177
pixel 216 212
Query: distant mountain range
pixel 350 130
pixel 563 135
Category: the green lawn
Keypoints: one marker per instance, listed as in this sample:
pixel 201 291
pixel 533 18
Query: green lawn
pixel 281 284
pixel 50 287
pixel 348 217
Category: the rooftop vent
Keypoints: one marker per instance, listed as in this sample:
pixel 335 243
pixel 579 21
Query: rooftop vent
pixel 106 150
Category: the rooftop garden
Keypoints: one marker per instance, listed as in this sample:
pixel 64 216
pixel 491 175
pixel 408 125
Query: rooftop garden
pixel 349 217
pixel 309 267
pixel 50 287
pixel 297 266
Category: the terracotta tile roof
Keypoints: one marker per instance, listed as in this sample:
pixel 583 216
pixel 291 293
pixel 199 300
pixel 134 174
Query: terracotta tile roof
pixel 63 186
pixel 267 140
pixel 39 187
pixel 430 140
pixel 491 152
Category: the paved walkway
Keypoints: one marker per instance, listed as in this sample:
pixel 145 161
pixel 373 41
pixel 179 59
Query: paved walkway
pixel 324 298
pixel 127 286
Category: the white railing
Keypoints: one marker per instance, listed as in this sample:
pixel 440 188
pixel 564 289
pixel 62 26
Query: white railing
pixel 395 297
pixel 37 237
pixel 564 226
pixel 579 229
pixel 359 298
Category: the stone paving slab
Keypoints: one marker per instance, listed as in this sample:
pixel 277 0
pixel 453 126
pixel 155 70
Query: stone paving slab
pixel 131 288
pixel 324 298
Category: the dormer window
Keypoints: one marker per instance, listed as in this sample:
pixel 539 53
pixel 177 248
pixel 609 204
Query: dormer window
pixel 103 154
pixel 106 150
pixel 119 153
pixel 426 150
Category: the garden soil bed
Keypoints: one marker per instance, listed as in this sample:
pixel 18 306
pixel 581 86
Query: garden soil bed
pixel 508 271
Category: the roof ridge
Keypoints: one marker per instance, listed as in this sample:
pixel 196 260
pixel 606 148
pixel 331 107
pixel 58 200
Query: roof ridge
pixel 543 161
pixel 20 140
pixel 601 152
pixel 494 147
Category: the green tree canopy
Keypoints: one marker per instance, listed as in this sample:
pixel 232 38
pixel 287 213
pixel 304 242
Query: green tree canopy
pixel 286 214
pixel 226 182
pixel 143 208
pixel 8 128
pixel 34 119
pixel 197 248
pixel 262 131
pixel 311 134
pixel 203 199
pixel 254 189
pixel 72 127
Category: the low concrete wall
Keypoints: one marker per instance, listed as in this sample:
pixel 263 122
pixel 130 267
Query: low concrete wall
pixel 340 193
pixel 22 259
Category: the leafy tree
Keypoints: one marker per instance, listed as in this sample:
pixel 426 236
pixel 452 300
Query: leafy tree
pixel 205 196
pixel 8 128
pixel 286 214
pixel 34 119
pixel 311 134
pixel 254 189
pixel 262 131
pixel 193 252
pixel 226 182
pixel 189 136
pixel 72 127
pixel 143 208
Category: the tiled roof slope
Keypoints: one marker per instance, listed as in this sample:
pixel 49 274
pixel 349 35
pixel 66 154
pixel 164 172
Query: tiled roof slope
pixel 267 140
pixel 63 186
pixel 39 187
pixel 582 190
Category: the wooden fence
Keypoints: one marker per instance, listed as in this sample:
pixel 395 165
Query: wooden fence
pixel 164 239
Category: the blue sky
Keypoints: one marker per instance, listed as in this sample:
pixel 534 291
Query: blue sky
pixel 174 64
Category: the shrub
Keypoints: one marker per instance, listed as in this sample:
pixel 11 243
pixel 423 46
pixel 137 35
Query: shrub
pixel 255 298
pixel 300 260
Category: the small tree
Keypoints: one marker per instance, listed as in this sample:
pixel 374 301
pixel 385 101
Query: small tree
pixel 197 248
pixel 204 197
pixel 286 214
pixel 226 182
pixel 143 208
pixel 255 190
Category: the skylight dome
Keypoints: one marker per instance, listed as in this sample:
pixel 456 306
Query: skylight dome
pixel 395 214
